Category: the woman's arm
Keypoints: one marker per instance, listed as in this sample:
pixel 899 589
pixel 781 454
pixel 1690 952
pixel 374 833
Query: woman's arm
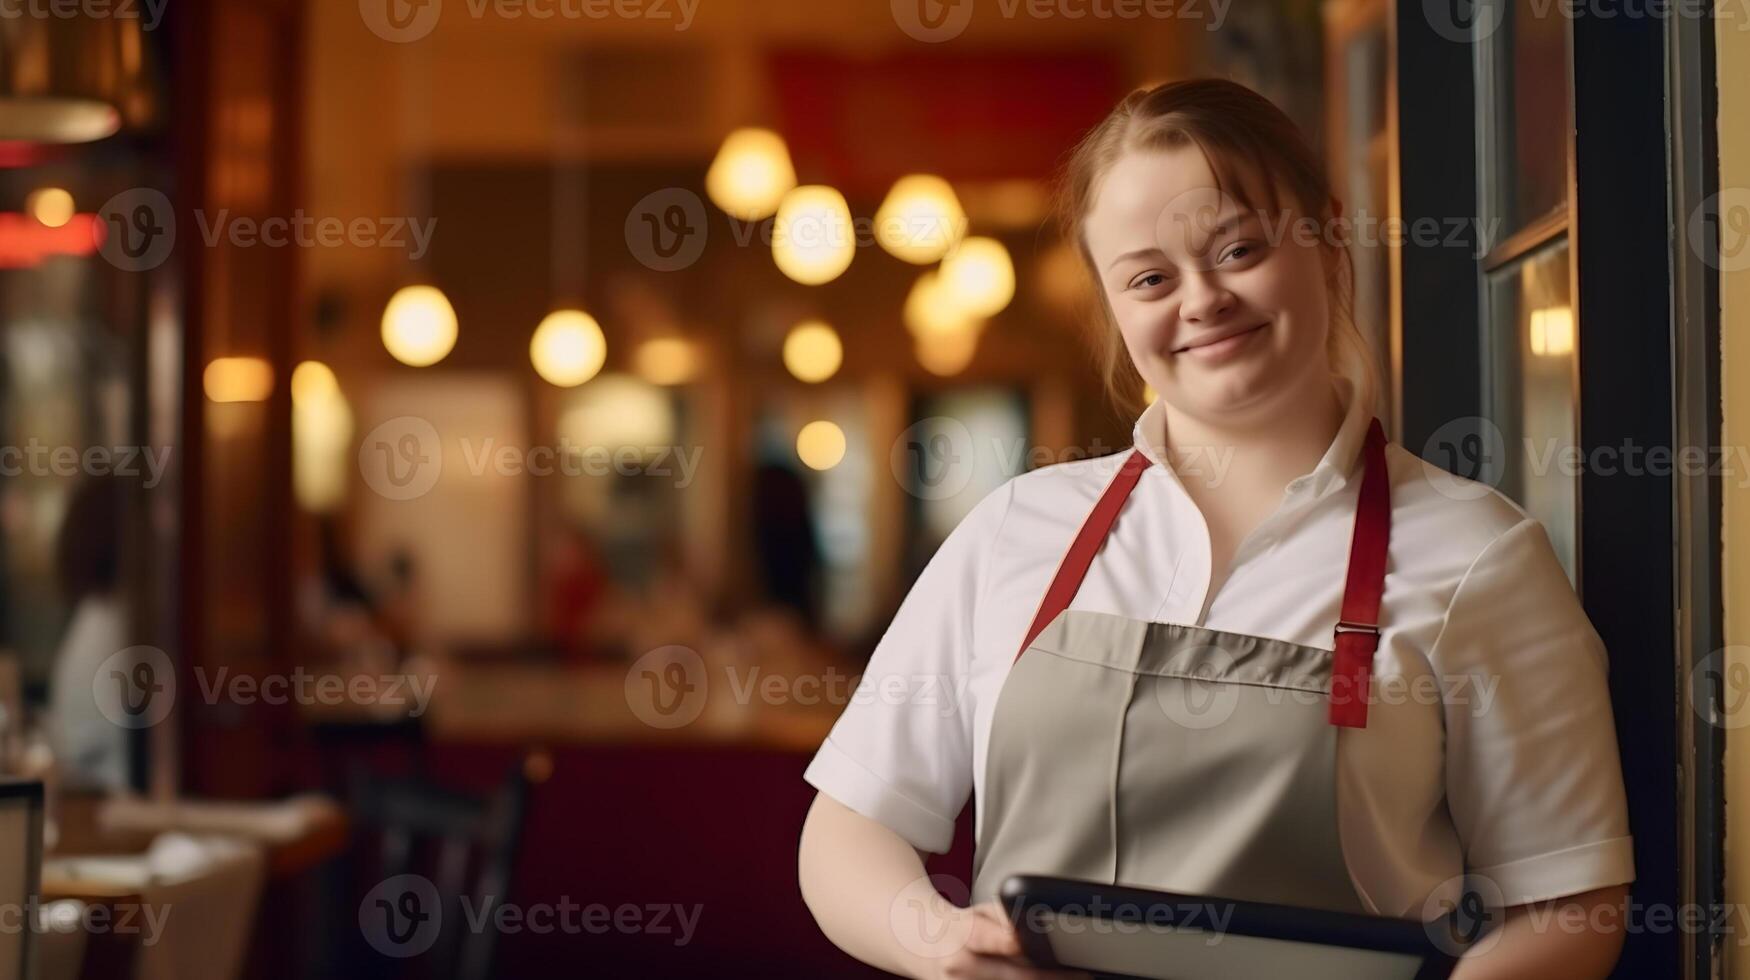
pixel 852 870
pixel 1533 774
pixel 870 894
pixel 1572 938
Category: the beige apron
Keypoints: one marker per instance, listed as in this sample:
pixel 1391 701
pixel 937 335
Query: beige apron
pixel 1180 758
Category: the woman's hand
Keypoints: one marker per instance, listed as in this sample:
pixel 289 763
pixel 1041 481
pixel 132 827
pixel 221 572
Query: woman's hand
pixel 869 891
pixel 992 950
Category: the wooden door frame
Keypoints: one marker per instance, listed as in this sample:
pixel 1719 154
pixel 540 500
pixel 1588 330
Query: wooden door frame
pixel 1692 94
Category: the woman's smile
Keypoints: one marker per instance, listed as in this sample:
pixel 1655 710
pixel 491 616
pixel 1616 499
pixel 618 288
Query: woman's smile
pixel 1222 347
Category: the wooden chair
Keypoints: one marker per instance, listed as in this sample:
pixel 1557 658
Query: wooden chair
pixel 464 845
pixel 21 863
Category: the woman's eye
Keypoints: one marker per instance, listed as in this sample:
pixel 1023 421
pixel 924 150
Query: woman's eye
pixel 1148 281
pixel 1242 250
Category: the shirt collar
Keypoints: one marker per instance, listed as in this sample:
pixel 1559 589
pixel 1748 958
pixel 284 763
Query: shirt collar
pixel 1333 470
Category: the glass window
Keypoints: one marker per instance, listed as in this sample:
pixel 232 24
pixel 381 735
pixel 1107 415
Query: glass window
pixel 1534 395
pixel 1526 117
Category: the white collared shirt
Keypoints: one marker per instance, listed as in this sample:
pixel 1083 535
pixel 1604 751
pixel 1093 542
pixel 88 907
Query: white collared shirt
pixel 1512 766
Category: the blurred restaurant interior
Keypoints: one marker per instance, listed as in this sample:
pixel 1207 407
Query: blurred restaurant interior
pixel 406 399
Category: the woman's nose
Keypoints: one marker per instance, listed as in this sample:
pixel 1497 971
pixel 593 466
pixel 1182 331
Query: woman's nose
pixel 1205 298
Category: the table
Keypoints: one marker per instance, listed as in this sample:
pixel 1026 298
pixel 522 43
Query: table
pixel 295 837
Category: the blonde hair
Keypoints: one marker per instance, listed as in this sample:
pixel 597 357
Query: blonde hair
pixel 1240 133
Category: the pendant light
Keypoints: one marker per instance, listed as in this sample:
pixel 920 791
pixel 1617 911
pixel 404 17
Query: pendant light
pixel 750 174
pixel 72 79
pixel 568 346
pixel 419 326
pixel 920 220
pixel 813 239
pixel 980 276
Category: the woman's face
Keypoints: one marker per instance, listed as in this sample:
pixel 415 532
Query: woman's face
pixel 1222 309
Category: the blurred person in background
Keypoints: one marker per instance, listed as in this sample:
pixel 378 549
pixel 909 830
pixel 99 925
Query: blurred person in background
pixel 784 541
pixel 361 629
pixel 91 751
pixel 398 603
pixel 576 584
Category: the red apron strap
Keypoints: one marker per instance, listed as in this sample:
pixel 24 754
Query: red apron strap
pixel 1357 632
pixel 1074 566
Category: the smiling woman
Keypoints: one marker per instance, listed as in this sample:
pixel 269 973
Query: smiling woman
pixel 1218 692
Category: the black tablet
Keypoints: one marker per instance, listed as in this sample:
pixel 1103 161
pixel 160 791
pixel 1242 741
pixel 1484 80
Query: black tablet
pixel 1133 933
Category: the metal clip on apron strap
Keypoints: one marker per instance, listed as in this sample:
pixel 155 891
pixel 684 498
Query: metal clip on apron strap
pixel 1357 633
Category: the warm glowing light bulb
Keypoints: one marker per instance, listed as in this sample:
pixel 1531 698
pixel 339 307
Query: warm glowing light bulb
pixel 313 381
pixel 812 351
pixel 979 275
pixel 237 379
pixel 930 309
pixel 947 354
pixel 920 220
pixel 666 361
pixel 1552 331
pixel 419 326
pixel 813 240
pixel 751 174
pixel 820 445
pixel 568 348
pixel 51 206
pixel 321 438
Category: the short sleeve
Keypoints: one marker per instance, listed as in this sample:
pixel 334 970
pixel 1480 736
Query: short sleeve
pixel 1533 773
pixel 901 752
